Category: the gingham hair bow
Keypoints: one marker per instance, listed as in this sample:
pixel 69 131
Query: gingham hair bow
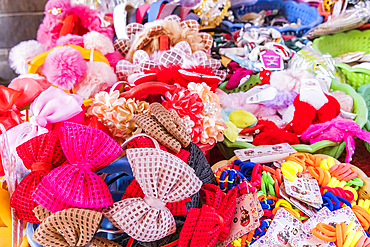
pixel 140 63
pixel 75 184
pixel 69 227
pixel 164 178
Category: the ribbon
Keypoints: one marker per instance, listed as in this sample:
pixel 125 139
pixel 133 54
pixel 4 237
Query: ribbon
pixel 62 228
pixel 49 107
pixel 75 184
pixel 204 226
pixel 9 114
pixel 40 154
pixel 161 176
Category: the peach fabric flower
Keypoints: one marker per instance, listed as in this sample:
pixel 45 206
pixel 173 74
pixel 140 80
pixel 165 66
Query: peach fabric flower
pixel 116 113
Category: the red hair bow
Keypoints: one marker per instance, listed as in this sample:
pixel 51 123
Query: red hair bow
pixel 75 184
pixel 9 114
pixel 41 154
pixel 204 226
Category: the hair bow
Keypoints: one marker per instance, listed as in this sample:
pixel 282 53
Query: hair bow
pixel 204 226
pixel 140 63
pixel 69 227
pixel 40 154
pixel 49 107
pixel 164 178
pixel 75 184
pixel 9 114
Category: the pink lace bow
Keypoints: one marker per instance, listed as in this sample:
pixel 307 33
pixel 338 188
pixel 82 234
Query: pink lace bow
pixel 164 178
pixel 75 184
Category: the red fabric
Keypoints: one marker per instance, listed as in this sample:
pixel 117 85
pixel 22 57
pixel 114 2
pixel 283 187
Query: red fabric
pixel 40 154
pixel 203 227
pixel 9 114
pixel 275 137
pixel 305 114
pixel 170 75
pixel 328 111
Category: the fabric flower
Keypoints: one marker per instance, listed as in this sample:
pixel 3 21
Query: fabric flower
pixel 116 113
pixel 186 103
pixel 212 121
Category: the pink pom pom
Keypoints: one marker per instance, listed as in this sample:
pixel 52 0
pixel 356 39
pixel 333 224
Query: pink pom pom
pixel 64 6
pixel 71 39
pixel 64 67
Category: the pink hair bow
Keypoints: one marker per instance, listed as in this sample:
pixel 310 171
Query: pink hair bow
pixel 75 184
pixel 164 178
pixel 338 129
pixel 52 106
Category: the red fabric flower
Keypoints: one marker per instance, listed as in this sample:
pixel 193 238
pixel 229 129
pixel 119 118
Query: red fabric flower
pixel 185 104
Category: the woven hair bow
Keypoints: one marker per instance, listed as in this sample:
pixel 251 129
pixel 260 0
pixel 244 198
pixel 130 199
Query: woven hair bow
pixel 49 107
pixel 164 178
pixel 41 154
pixel 75 184
pixel 69 227
pixel 204 226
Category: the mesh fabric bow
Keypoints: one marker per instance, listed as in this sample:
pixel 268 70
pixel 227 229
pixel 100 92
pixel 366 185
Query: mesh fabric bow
pixel 204 226
pixel 41 154
pixel 164 178
pixel 69 227
pixel 75 184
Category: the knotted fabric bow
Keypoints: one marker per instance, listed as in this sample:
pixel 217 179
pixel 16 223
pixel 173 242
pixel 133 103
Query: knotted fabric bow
pixel 41 154
pixel 69 227
pixel 9 114
pixel 164 178
pixel 338 129
pixel 204 226
pixel 49 107
pixel 75 184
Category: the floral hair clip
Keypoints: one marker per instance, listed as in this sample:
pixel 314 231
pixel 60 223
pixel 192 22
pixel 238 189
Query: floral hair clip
pixel 75 184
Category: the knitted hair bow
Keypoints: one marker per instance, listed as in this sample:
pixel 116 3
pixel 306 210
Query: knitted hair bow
pixel 41 154
pixel 204 226
pixel 75 184
pixel 69 227
pixel 164 178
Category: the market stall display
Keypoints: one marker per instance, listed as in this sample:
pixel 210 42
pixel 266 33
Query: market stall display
pixel 188 123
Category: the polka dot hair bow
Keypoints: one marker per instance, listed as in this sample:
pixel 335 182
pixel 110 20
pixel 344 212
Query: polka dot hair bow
pixel 41 154
pixel 75 184
pixel 164 178
pixel 69 227
pixel 204 226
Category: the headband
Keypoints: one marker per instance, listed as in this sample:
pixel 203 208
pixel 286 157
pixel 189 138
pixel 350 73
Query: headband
pixel 184 12
pixel 154 10
pixel 120 19
pixel 141 11
pixel 167 10
pixel 75 184
pixel 131 16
